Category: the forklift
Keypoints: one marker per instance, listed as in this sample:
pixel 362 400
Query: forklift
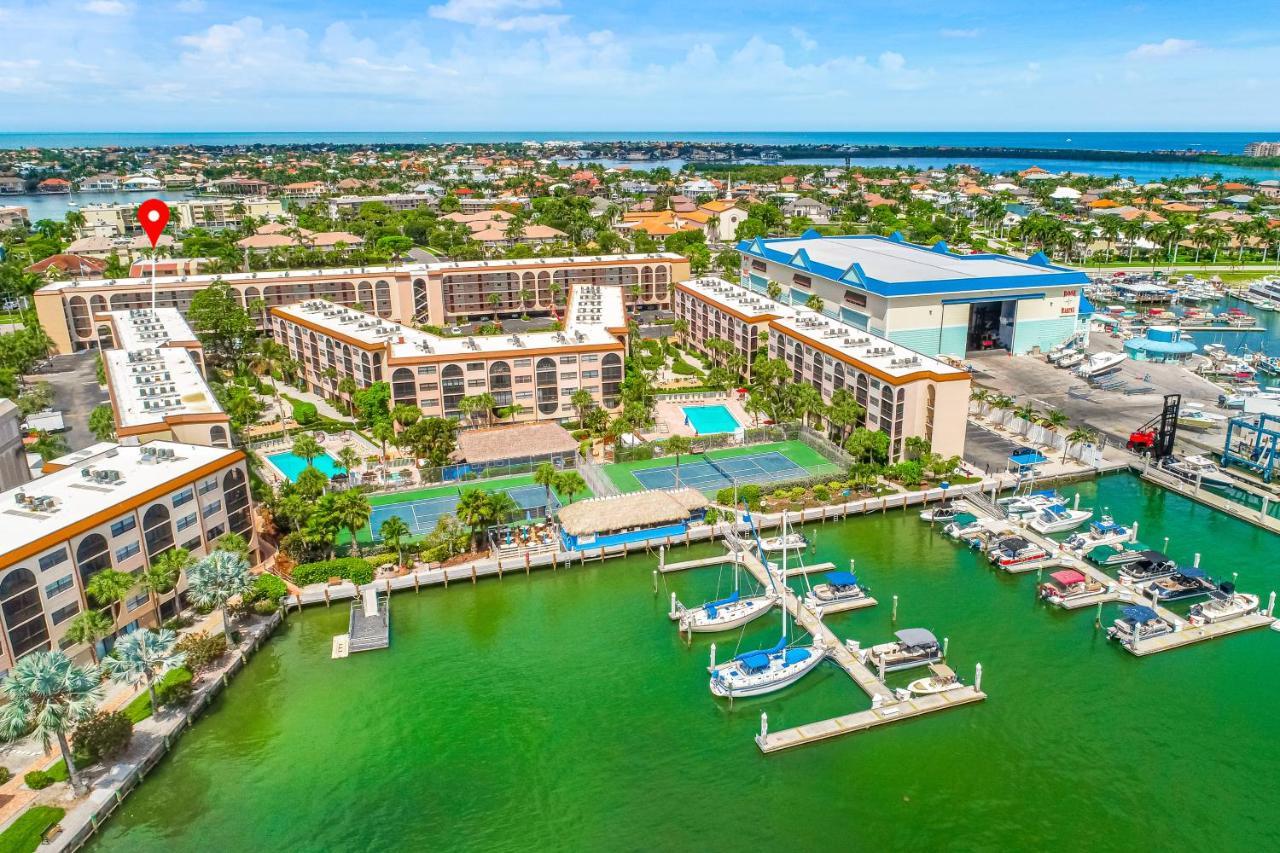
pixel 1155 437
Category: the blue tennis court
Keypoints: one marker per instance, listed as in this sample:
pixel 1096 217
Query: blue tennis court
pixel 703 474
pixel 420 515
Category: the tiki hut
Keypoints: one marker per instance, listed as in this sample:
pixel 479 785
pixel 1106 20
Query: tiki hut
pixel 637 516
pixel 517 444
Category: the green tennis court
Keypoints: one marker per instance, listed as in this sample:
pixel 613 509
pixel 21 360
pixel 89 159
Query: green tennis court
pixel 717 469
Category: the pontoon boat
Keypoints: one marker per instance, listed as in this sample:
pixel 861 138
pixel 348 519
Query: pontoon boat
pixel 1187 582
pixel 1069 585
pixel 1014 551
pixel 914 647
pixel 1138 624
pixel 839 586
pixel 1150 566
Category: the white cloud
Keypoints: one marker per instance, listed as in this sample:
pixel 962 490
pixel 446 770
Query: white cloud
pixel 803 38
pixel 190 6
pixel 505 15
pixel 890 61
pixel 961 34
pixel 1163 49
pixel 105 7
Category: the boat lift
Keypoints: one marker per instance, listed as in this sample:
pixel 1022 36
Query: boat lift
pixel 1256 445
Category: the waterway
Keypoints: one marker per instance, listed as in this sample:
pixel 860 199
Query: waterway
pixel 560 711
pixel 56 205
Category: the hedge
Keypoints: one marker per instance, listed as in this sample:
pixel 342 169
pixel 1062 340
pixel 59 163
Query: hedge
pixel 354 569
pixel 174 688
pixel 304 413
pixel 267 587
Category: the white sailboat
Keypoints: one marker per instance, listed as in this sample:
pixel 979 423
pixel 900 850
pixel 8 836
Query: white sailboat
pixel 767 670
pixel 727 613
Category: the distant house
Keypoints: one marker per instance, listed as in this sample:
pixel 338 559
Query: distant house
pixel 10 185
pixel 54 185
pixel 275 238
pixel 100 184
pixel 1239 200
pixel 13 216
pixel 66 265
pixel 531 235
pixel 141 183
pixel 810 208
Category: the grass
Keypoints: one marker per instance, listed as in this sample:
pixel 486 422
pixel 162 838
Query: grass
pixel 139 709
pixel 59 771
pixel 25 833
pixel 621 473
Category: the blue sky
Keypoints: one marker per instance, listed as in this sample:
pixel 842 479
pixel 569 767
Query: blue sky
pixel 626 65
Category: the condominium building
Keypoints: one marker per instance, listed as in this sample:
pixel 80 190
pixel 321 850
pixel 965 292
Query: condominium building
pixel 1262 149
pixel 107 220
pixel 537 371
pixel 439 293
pixel 14 470
pixel 924 298
pixel 396 201
pixel 904 393
pixel 109 506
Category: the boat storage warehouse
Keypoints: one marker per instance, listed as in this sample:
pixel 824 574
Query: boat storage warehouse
pixel 923 297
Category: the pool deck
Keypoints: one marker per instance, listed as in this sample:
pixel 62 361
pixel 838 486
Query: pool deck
pixel 669 417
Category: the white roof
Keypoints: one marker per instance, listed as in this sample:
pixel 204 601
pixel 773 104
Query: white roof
pixel 76 497
pixel 596 305
pixel 149 385
pixel 143 328
pixel 724 294
pixel 891 261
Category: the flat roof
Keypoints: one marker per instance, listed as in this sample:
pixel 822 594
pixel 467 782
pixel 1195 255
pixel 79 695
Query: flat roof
pixel 737 299
pixel 143 328
pixel 149 385
pixel 890 266
pixel 124 473
pixel 596 305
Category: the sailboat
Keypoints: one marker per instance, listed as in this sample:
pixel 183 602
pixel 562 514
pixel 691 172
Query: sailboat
pixel 767 670
pixel 726 613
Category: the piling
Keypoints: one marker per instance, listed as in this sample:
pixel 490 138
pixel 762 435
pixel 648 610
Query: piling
pixel 672 611
pixel 895 612
pixel 655 581
pixel 977 677
pixel 1271 603
pixel 946 644
pixel 712 667
pixel 764 725
pixel 1196 561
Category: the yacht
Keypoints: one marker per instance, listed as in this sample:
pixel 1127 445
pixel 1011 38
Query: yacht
pixel 1070 360
pixel 941 678
pixel 1198 420
pixel 1225 603
pixel 789 542
pixel 1017 506
pixel 1186 583
pixel 1197 469
pixel 1057 518
pixel 914 647
pixel 1068 585
pixel 1138 623
pixel 1014 551
pixel 1100 364
pixel 944 512
pixel 839 587
pixel 726 613
pixel 1150 566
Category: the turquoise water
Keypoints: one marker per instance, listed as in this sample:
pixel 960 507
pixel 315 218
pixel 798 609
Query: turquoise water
pixel 291 466
pixel 560 711
pixel 706 420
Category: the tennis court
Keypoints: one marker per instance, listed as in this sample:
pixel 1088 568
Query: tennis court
pixel 707 474
pixel 420 514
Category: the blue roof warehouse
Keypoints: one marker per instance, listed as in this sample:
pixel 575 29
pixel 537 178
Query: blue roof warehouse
pixel 923 297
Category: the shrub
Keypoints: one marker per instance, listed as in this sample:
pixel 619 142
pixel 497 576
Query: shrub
pixel 388 559
pixel 139 709
pixel 102 737
pixel 202 650
pixel 175 688
pixel 821 493
pixel 38 780
pixel 724 497
pixel 580 434
pixel 303 412
pixel 5 775
pixel 751 494
pixel 354 569
pixel 267 587
pixel 680 367
pixel 177 623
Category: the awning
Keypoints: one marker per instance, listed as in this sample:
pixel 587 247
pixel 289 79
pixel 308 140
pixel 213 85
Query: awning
pixel 916 637
pixel 1140 614
pixel 1066 577
pixel 842 578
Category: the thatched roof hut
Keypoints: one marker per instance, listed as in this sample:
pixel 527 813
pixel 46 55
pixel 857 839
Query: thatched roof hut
pixel 481 446
pixel 623 512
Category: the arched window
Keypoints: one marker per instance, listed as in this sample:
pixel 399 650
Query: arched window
pixel 79 315
pixel 611 380
pixel 157 532
pixel 403 388
pixel 235 493
pixel 500 383
pixel 838 381
pixel 382 292
pixel 364 295
pixel 548 393
pixel 92 556
pixel 23 614
pixel 218 436
pixel 98 303
pixel 453 387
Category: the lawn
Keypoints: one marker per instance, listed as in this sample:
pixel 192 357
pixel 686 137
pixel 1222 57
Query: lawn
pixel 25 834
pixel 620 473
pixel 139 709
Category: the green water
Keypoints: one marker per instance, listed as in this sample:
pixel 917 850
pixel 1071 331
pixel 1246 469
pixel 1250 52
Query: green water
pixel 561 712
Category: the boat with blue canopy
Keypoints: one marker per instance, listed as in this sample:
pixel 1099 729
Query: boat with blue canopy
pixel 1186 583
pixel 1136 624
pixel 839 587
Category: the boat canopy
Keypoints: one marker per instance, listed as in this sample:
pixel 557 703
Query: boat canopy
pixel 941 670
pixel 964 519
pixel 795 656
pixel 842 578
pixel 712 606
pixel 1014 543
pixel 1139 614
pixel 1100 553
pixel 746 656
pixel 1066 577
pixel 1154 556
pixel 754 660
pixel 915 637
pixel 1191 572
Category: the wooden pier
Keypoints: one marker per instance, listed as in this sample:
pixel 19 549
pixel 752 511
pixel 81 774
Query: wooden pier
pixel 370 623
pixel 1195 633
pixel 845 606
pixel 1256 517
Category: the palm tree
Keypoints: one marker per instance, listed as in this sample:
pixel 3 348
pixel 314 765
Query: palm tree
pixel 348 457
pixel 90 626
pixel 570 483
pixel 1027 412
pixel 48 695
pixel 545 475
pixel 162 575
pixel 474 510
pixel 581 401
pixel 353 513
pixel 264 360
pixel 676 445
pixel 1079 435
pixel 1054 418
pixel 143 656
pixel 306 447
pixel 216 579
pixel 108 588
pixel 383 432
pixel 680 328
pixel 392 532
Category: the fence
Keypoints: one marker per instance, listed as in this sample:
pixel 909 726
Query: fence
pixel 432 476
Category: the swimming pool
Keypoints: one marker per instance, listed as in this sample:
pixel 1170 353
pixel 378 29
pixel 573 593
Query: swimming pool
pixel 291 466
pixel 710 419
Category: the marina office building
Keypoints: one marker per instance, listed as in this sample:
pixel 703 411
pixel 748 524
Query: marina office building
pixel 923 298
pixel 109 506
pixel 904 393
pixel 538 371
pixel 439 294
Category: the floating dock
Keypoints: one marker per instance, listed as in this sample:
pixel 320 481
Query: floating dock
pixel 1195 633
pixel 370 623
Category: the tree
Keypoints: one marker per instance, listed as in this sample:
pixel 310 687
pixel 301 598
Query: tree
pixel 102 423
pixel 383 432
pixel 1054 418
pixel 392 532
pixel 569 483
pixel 1079 435
pixel 475 510
pixel 108 588
pixel 868 446
pixel 581 402
pixel 161 576
pixel 311 483
pixel 432 439
pixel 815 303
pixel 917 447
pixel 774 290
pixel 845 412
pixel 216 579
pixel 676 445
pixel 48 695
pixel 353 511
pixel 224 328
pixel 406 415
pixel 89 626
pixel 48 445
pixel 545 475
pixel 143 656
pixel 348 387
pixel 306 447
pixel 372 404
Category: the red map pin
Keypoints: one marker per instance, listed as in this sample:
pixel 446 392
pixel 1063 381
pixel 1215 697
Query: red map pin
pixel 153 216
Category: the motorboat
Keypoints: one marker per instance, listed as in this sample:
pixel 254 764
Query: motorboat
pixel 941 678
pixel 1198 420
pixel 725 614
pixel 789 542
pixel 1197 470
pixel 1150 566
pixel 1116 554
pixel 943 512
pixel 1070 360
pixel 1058 517
pixel 963 526
pixel 1186 583
pixel 839 587
pixel 765 670
pixel 914 647
pixel 1014 551
pixel 1100 364
pixel 1138 623
pixel 1017 506
pixel 1068 585
pixel 1225 604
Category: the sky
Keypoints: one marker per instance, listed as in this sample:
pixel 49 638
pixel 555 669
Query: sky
pixel 626 65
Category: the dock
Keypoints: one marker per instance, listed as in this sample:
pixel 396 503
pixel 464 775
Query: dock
pixel 1195 633
pixel 370 623
pixel 1256 517
pixel 846 606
